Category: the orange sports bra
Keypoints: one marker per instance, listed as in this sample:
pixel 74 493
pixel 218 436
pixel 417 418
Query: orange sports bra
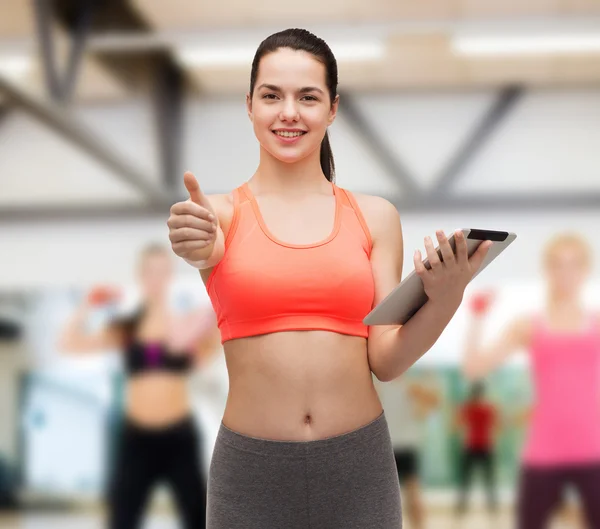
pixel 263 285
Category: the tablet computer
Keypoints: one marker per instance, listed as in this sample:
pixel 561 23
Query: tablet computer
pixel 409 296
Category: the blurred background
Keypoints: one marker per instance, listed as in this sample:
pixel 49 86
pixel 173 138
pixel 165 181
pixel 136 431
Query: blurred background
pixel 462 113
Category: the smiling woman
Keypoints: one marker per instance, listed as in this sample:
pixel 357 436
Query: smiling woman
pixel 292 264
pixel 278 102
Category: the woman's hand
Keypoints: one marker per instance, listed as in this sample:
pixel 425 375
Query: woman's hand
pixel 448 277
pixel 193 224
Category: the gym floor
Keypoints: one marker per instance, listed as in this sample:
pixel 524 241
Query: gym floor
pixel 475 520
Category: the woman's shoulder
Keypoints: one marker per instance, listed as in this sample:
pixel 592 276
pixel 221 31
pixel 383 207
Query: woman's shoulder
pixel 223 206
pixel 224 202
pixel 379 213
pixel 221 200
pixel 523 327
pixel 372 202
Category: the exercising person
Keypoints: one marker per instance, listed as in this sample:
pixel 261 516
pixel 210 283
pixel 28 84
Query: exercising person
pixel 158 440
pixel 407 403
pixel 477 421
pixel 563 345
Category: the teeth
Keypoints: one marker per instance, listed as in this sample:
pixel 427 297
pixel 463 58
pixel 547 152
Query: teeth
pixel 286 134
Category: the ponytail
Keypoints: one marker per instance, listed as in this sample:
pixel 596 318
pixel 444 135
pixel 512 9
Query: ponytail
pixel 327 163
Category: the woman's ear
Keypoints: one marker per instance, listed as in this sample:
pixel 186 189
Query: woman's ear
pixel 249 105
pixel 333 110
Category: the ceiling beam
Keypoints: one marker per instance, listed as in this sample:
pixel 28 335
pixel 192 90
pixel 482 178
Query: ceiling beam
pixel 167 99
pixel 136 68
pixel 369 137
pixel 68 213
pixel 151 71
pixel 486 203
pixel 76 55
pixel 60 86
pixel 481 134
pixel 61 122
pixel 504 202
pixel 42 10
pixel 5 111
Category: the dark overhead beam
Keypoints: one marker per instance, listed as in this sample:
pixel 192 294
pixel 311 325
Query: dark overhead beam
pixel 486 202
pixel 43 21
pixel 68 213
pixel 112 15
pixel 426 205
pixel 5 111
pixel 136 68
pixel 60 87
pixel 479 136
pixel 59 120
pixel 371 139
pixel 168 97
pixel 151 71
pixel 80 36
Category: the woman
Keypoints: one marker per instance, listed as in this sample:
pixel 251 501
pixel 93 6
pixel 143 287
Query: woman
pixel 303 441
pixel 563 343
pixel 158 440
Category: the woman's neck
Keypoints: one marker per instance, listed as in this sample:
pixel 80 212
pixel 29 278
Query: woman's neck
pixel 156 305
pixel 564 307
pixel 275 176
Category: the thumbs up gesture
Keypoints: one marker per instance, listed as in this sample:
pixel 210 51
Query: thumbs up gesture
pixel 193 224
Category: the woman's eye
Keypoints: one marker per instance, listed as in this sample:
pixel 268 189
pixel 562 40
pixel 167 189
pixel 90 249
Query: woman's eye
pixel 269 96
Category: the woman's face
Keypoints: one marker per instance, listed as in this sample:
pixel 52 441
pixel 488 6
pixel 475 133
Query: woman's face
pixel 567 269
pixel 290 108
pixel 155 275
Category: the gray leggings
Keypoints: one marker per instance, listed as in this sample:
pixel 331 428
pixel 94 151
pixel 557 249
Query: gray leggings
pixel 344 482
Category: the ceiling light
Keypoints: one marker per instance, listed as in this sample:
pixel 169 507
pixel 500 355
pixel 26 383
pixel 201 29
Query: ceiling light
pixel 486 45
pixel 14 66
pixel 203 56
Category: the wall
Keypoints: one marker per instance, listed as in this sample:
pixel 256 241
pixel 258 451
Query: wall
pixel 547 141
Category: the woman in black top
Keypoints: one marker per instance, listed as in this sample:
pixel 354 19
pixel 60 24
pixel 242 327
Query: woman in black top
pixel 159 440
